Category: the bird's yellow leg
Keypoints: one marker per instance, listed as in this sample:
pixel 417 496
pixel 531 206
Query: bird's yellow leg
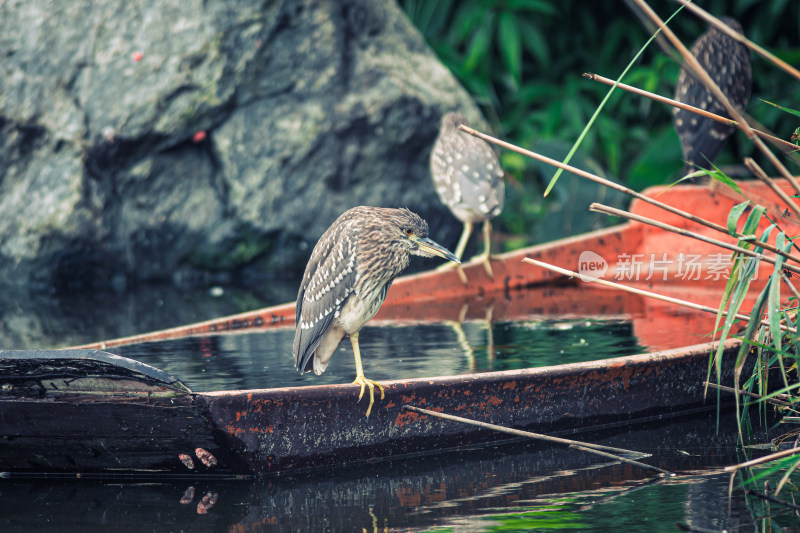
pixel 360 379
pixel 462 244
pixel 486 256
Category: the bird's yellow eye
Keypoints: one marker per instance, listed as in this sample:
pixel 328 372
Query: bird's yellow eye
pixel 408 231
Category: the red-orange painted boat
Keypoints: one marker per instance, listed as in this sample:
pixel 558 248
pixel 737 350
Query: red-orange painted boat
pixel 83 410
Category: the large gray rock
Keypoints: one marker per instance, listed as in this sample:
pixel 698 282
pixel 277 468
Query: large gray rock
pixel 310 107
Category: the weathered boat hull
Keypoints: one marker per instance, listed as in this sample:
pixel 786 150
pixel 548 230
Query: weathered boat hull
pixel 159 428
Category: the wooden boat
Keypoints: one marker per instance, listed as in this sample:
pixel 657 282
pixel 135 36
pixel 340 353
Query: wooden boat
pixel 88 411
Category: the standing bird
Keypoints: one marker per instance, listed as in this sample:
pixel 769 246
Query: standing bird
pixel 727 61
pixel 346 280
pixel 469 180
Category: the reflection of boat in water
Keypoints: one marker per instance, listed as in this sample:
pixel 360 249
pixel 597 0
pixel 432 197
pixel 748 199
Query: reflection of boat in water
pixel 410 494
pixel 85 411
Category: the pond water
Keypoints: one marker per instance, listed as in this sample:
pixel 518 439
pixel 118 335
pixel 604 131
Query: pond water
pixel 512 486
pixel 264 359
pixel 518 486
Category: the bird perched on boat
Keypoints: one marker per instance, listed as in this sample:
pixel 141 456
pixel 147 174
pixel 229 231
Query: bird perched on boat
pixel 346 280
pixel 469 180
pixel 727 61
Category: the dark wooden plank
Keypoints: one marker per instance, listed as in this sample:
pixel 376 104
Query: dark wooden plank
pixel 88 411
pixel 57 373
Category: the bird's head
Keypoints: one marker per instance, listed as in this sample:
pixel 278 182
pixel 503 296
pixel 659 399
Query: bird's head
pixel 451 121
pixel 409 232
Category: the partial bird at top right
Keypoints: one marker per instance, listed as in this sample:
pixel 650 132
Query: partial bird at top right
pixel 727 61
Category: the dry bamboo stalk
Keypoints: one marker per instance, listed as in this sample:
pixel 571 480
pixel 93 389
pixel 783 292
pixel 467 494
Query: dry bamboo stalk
pixel 746 393
pixel 762 460
pixel 593 177
pixel 773 499
pixel 600 208
pixel 642 292
pixel 706 80
pixel 588 447
pixel 616 186
pixel 786 146
pixel 758 172
pixel 792 288
pixel 714 21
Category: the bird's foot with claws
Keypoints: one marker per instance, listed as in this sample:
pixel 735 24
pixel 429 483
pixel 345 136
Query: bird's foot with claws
pixel 487 259
pixel 459 270
pixel 364 382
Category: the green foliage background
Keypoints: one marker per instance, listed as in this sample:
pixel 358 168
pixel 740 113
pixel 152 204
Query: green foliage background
pixel 522 60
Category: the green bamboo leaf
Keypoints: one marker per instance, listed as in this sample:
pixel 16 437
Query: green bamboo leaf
pixel 752 324
pixel 753 220
pixel 786 109
pixel 540 6
pixel 793 336
pixel 786 475
pixel 737 298
pixel 735 215
pixel 774 307
pixel 479 46
pixel 510 44
pixel 744 350
pixel 771 468
pixel 724 179
pixel 743 271
pixel 589 124
pixel 467 20
pixel 535 42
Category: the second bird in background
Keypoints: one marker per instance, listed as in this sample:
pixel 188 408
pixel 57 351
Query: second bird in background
pixel 727 61
pixel 469 180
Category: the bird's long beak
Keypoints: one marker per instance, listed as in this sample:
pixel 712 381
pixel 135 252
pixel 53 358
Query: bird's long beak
pixel 434 248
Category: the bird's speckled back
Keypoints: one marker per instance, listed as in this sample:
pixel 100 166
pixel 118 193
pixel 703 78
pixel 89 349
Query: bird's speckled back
pixel 728 63
pixel 466 172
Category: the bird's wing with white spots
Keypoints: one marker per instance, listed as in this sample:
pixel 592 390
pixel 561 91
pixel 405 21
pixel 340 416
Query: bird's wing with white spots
pixel 327 283
pixel 479 177
pixel 702 139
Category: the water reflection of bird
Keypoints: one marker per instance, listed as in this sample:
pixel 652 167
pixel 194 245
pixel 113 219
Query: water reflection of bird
pixel 469 180
pixel 346 280
pixel 727 61
pixel 463 342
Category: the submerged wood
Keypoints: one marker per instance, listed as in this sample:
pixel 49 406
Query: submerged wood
pixel 587 447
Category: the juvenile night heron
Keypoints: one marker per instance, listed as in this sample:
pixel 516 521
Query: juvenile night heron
pixel 727 61
pixel 469 180
pixel 346 280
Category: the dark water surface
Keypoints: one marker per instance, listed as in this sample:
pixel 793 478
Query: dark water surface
pixel 520 486
pixel 264 360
